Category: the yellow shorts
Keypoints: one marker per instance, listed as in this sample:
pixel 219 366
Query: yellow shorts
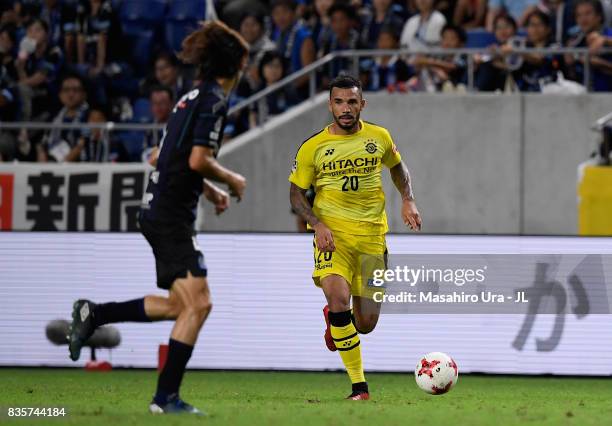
pixel 355 259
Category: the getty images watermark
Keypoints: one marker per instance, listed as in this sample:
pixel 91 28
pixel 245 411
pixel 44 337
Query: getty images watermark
pixel 480 284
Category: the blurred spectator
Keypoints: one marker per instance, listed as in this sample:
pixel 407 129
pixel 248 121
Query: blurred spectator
pixel 537 69
pixel 101 146
pixel 607 6
pixel 293 39
pixel 68 144
pixel 423 30
pixel 271 70
pixel 590 18
pixel 442 73
pixel 162 102
pixel 37 66
pixel 518 9
pixel 389 72
pixel 8 91
pixel 446 8
pixel 253 30
pixel 320 23
pixel 8 74
pixel 93 24
pixel 380 13
pixel 344 37
pixel 492 69
pixel 168 73
pixel 470 13
pixel 561 18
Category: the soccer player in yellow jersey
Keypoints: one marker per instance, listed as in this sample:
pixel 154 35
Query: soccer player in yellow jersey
pixel 344 164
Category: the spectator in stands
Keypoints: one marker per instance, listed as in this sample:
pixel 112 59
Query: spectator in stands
pixel 8 74
pixel 537 69
pixel 423 30
pixel 67 145
pixel 59 16
pixel 320 23
pixel 344 37
pixel 93 24
pixel 470 13
pixel 446 8
pixel 37 66
pixel 442 73
pixel 167 73
pixel 101 146
pixel 252 29
pixel 492 69
pixel 162 102
pixel 293 39
pixel 518 9
pixel 561 18
pixel 389 72
pixel 380 13
pixel 271 70
pixel 590 18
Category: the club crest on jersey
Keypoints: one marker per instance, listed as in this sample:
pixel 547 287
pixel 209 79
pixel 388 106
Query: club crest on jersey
pixel 371 146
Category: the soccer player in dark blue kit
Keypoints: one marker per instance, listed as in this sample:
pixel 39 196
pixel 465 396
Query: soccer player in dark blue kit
pixel 186 158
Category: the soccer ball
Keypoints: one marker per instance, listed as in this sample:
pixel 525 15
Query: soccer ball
pixel 436 373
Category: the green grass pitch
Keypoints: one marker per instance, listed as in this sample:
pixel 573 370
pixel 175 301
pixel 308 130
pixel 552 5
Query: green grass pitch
pixel 280 398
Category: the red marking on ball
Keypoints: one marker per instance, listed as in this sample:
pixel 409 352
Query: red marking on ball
pixel 427 367
pixel 439 391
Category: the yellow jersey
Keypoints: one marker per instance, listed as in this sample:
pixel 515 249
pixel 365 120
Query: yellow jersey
pixel 346 172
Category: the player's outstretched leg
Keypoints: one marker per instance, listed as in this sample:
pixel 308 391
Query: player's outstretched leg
pixel 194 299
pixel 344 334
pixel 87 316
pixel 81 327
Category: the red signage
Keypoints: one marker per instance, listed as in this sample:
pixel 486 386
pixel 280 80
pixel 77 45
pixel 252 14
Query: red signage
pixel 6 202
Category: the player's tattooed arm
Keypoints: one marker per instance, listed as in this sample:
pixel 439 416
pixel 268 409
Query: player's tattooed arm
pixel 324 238
pixel 401 179
pixel 301 206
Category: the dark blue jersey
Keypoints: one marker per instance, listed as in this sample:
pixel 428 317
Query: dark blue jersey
pixel 197 119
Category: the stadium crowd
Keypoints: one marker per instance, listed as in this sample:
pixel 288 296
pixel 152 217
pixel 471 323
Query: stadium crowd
pixel 77 61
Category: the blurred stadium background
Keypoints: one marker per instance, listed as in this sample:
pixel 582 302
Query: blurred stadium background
pixel 502 111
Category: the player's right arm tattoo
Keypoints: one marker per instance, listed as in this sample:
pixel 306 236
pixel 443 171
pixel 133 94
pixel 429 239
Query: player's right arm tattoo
pixel 401 179
pixel 300 204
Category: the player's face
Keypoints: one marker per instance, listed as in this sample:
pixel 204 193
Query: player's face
pixel 345 106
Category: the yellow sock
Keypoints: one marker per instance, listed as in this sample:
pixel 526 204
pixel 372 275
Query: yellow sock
pixel 347 341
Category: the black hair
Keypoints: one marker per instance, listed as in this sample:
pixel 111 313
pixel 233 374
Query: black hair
pixel 168 57
pixel 38 21
pixel 216 50
pixel 344 81
pixel 74 76
pixel 595 4
pixel 504 17
pixel 544 17
pixel 348 10
pixel 268 57
pixel 461 34
pixel 255 15
pixel 391 28
pixel 162 88
pixel 289 4
pixel 11 30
